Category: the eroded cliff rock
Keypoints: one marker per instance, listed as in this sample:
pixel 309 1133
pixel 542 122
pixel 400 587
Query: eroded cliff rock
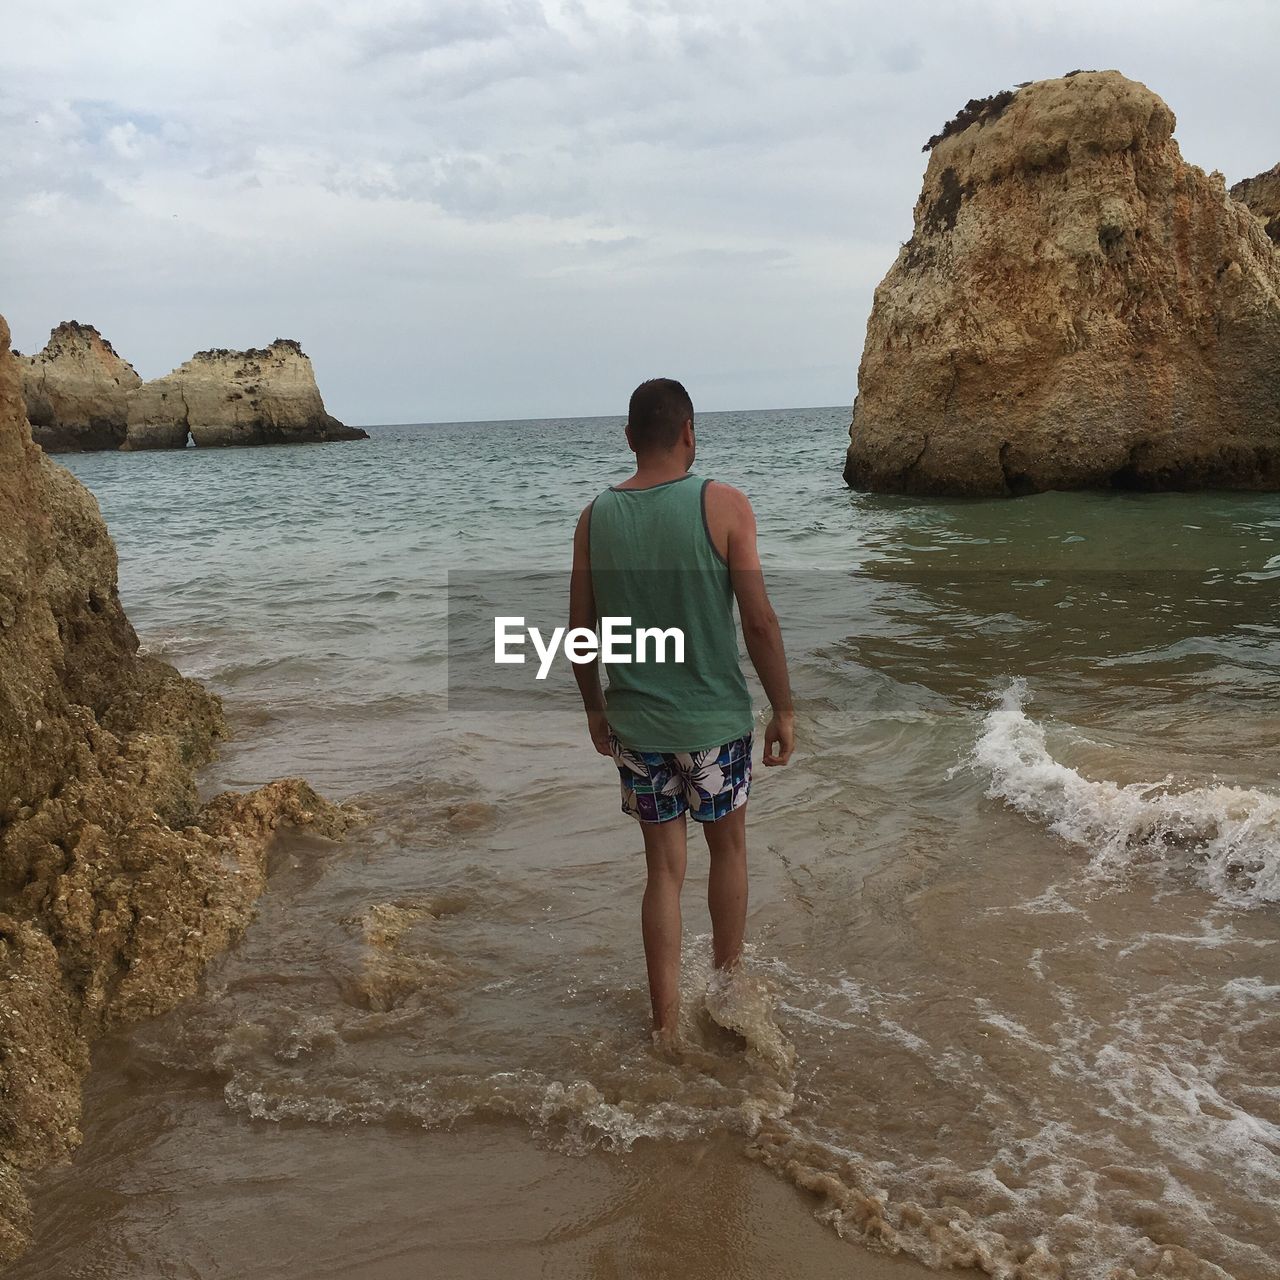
pixel 1077 306
pixel 116 885
pixel 1262 195
pixel 261 396
pixel 76 391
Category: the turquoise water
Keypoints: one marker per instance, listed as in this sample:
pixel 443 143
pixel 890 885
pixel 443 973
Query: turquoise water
pixel 313 579
pixel 1014 903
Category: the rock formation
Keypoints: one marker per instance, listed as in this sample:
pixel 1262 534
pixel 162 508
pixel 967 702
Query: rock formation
pixel 81 396
pixel 116 885
pixel 235 397
pixel 76 391
pixel 1077 306
pixel 1262 195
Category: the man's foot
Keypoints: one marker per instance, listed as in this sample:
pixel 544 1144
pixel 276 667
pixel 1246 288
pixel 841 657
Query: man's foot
pixel 666 1042
pixel 741 1002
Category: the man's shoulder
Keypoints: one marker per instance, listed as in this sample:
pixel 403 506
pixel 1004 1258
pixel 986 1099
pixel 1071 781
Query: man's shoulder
pixel 728 516
pixel 726 497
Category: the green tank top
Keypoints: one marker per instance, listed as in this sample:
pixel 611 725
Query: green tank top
pixel 653 561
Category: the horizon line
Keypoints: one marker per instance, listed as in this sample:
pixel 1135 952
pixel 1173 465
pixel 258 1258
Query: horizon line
pixel 587 417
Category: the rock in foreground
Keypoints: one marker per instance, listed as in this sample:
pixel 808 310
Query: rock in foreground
pixel 116 885
pixel 235 398
pixel 1077 307
pixel 77 390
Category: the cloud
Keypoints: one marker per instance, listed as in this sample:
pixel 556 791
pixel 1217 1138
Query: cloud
pixel 475 208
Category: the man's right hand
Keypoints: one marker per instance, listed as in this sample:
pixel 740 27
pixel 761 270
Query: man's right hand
pixel 598 727
pixel 779 739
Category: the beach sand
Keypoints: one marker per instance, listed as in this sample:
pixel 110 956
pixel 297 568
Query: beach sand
pixel 390 1203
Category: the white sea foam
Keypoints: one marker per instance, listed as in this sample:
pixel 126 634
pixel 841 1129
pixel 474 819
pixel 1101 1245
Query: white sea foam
pixel 573 1113
pixel 1228 836
pixel 1140 1120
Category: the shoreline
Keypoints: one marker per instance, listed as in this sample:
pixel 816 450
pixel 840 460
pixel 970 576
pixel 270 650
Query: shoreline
pixel 638 1213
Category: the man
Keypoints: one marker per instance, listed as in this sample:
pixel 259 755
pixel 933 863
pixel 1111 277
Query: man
pixel 667 548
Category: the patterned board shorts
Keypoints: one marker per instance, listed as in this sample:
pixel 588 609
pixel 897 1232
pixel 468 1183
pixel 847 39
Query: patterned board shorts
pixel 660 785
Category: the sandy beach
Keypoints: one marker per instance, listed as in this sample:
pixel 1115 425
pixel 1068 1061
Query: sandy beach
pixel 378 1202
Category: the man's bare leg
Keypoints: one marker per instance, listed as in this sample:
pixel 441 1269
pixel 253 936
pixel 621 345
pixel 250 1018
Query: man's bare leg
pixel 666 853
pixel 727 885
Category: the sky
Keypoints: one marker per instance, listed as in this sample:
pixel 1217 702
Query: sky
pixel 480 209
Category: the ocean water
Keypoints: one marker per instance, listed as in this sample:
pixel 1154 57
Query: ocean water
pixel 1011 999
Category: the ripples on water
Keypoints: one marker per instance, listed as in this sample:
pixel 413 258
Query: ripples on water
pixel 1014 977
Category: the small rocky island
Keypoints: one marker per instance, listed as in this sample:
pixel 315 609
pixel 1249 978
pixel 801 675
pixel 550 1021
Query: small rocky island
pixel 80 396
pixel 77 391
pixel 1077 307
pixel 1262 195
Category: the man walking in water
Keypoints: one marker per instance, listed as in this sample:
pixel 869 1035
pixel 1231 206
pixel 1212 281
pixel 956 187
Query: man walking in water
pixel 668 549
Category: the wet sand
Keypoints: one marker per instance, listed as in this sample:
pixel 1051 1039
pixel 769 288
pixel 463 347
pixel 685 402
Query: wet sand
pixel 387 1203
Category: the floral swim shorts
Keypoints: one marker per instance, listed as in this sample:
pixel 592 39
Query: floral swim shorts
pixel 660 785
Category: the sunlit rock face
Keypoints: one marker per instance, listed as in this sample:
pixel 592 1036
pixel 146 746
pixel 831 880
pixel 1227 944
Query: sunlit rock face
pixel 1077 306
pixel 260 396
pixel 76 391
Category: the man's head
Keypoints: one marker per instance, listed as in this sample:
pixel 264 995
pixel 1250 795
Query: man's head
pixel 660 420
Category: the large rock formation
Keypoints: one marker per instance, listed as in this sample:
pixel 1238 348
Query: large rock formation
pixel 236 397
pixel 76 391
pixel 1262 195
pixel 1077 306
pixel 116 885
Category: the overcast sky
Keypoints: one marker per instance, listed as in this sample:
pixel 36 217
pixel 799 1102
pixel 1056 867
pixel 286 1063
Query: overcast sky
pixel 513 208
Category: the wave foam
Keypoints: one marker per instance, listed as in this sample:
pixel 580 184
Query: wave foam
pixel 1228 836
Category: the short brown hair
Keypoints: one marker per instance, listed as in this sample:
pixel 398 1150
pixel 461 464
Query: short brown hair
pixel 658 409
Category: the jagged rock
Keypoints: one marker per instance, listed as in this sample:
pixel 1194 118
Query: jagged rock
pixel 116 884
pixel 236 397
pixel 76 391
pixel 1077 307
pixel 1262 195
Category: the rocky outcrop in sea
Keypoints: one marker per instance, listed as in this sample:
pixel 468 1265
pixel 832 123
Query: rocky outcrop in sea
pixel 1077 306
pixel 77 390
pixel 81 396
pixel 1262 195
pixel 116 883
pixel 260 396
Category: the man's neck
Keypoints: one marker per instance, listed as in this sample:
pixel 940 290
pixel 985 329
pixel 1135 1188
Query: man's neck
pixel 653 471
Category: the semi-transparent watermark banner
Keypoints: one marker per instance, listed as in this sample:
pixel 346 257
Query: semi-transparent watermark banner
pixel 511 644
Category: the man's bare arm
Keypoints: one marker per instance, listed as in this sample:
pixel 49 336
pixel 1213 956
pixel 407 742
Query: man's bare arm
pixel 760 627
pixel 582 613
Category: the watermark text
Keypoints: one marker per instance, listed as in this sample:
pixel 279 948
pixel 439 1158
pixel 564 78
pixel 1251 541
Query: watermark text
pixel 617 642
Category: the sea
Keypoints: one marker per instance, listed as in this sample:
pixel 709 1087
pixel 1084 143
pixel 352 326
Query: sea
pixel 1011 999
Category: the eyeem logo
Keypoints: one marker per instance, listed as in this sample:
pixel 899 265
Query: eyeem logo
pixel 617 642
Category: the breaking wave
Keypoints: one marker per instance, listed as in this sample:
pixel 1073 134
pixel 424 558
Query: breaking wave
pixel 1227 837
